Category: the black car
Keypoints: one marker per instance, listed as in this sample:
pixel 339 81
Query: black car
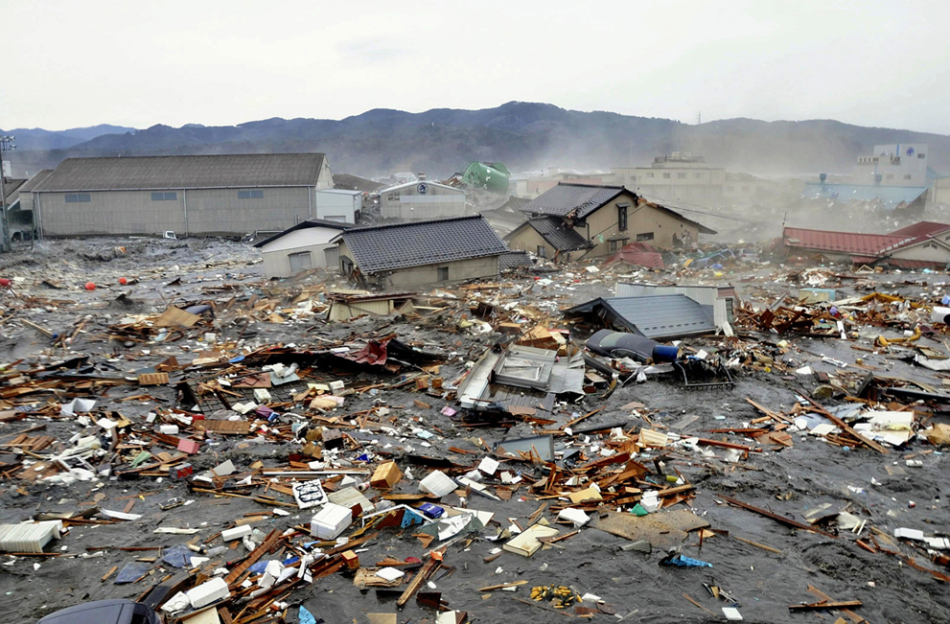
pixel 104 612
pixel 619 345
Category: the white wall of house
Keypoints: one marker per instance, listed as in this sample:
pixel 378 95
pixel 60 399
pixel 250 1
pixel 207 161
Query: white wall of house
pixel 277 255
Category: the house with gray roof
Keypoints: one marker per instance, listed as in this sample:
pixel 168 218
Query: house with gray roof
pixel 605 218
pixel 404 256
pixel 658 317
pixel 231 194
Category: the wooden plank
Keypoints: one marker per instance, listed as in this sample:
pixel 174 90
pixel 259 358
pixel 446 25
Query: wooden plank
pixel 826 604
pixel 780 519
pixel 846 427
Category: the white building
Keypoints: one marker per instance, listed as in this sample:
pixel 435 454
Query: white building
pixel 901 164
pixel 300 248
pixel 339 205
pixel 681 176
pixel 416 201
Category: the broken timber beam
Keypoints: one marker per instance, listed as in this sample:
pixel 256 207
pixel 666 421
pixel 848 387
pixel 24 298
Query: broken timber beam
pixel 772 516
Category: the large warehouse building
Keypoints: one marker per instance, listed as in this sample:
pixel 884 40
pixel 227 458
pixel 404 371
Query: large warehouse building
pixel 189 195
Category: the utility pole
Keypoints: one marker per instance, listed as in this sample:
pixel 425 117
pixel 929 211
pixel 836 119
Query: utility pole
pixel 6 144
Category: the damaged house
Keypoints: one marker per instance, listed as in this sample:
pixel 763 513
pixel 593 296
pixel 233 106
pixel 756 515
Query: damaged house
pixel 572 221
pixel 403 256
pixel 300 248
pixel 925 244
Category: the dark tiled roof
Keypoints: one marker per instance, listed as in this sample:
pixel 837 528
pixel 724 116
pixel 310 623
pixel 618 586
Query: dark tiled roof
pixel 402 245
pixel 514 260
pixel 176 172
pixel 564 199
pixel 305 225
pixel 558 234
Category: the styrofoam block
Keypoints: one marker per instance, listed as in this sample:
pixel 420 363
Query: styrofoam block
pixel 229 535
pixel 206 593
pixel 488 465
pixel 169 429
pixel 575 516
pixel 911 534
pixel 28 537
pixel 437 484
pixel 330 521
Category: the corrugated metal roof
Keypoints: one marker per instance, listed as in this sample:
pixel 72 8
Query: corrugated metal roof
pixel 33 182
pixel 841 242
pixel 184 172
pixel 659 317
pixel 559 234
pixel 401 245
pixel 921 229
pixel 890 196
pixel 399 187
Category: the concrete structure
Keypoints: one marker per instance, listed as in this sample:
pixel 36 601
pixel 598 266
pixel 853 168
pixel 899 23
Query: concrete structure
pixel 607 217
pixel 681 176
pixel 204 195
pixel 300 248
pixel 339 205
pixel 912 198
pixel 422 200
pixel 940 193
pixel 901 164
pixel 404 256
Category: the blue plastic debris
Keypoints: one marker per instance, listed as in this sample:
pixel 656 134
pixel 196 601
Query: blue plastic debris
pixel 411 517
pixel 177 556
pixel 306 617
pixel 685 562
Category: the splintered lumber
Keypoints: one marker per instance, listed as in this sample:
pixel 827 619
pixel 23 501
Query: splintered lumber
pixel 433 564
pixel 772 516
pixel 825 604
pixel 846 427
pixel 502 586
pixel 272 538
pixel 758 545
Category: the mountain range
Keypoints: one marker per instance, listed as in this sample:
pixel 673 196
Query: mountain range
pixel 524 136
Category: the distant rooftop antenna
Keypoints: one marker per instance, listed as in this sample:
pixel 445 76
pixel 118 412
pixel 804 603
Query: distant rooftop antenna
pixel 699 118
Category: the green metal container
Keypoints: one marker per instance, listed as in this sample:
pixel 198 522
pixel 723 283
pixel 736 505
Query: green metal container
pixel 492 177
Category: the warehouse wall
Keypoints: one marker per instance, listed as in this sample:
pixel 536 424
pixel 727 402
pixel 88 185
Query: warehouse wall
pixel 217 211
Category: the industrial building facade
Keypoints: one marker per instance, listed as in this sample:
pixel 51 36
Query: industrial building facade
pixel 189 195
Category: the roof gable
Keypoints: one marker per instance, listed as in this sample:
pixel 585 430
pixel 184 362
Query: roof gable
pixel 418 243
pixel 306 225
pixel 842 242
pixel 183 172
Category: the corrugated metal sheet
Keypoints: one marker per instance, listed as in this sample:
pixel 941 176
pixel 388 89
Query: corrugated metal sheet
pixel 890 196
pixel 659 317
pixel 840 242
pixel 921 229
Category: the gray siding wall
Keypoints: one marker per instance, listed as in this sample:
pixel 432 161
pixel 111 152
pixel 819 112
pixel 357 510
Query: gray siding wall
pixel 215 211
pixel 277 263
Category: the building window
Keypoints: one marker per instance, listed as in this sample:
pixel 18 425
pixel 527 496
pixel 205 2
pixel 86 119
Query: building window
pixel 921 155
pixel 613 246
pixel 73 198
pixel 697 176
pixel 443 274
pixel 907 176
pixel 646 236
pixel 164 196
pixel 542 251
pixel 681 176
pixel 666 175
pixel 250 194
pixel 650 174
pixel 621 218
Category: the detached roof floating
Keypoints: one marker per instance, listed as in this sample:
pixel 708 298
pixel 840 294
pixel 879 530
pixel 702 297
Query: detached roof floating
pixel 660 317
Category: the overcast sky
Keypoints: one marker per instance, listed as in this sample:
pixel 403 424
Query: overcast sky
pixel 70 63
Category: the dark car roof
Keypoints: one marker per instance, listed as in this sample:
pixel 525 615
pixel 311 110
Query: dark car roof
pixel 99 612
